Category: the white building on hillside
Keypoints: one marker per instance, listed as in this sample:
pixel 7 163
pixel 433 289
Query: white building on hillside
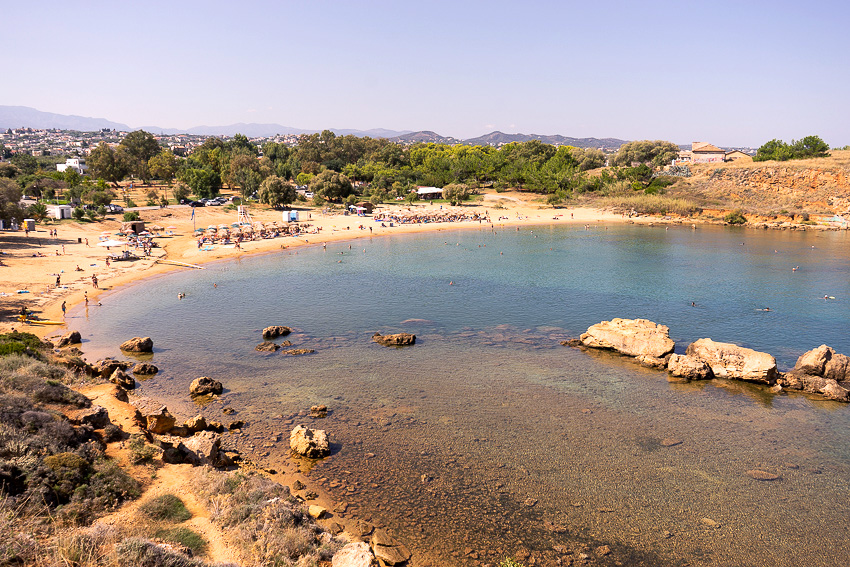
pixel 79 164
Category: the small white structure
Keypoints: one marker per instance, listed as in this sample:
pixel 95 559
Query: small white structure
pixel 429 192
pixel 59 211
pixel 78 164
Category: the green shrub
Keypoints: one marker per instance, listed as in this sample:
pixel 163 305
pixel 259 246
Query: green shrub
pixel 183 536
pixel 509 562
pixel 137 552
pixel 12 348
pixel 140 450
pixel 736 217
pixel 131 216
pixel 26 339
pixel 166 507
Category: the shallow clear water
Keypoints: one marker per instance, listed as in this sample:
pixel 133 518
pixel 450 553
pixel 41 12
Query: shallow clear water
pixel 493 411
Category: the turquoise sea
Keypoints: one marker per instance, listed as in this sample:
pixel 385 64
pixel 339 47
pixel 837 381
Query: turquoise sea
pixel 488 438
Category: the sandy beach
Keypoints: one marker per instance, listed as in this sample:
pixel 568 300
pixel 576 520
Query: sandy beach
pixel 32 262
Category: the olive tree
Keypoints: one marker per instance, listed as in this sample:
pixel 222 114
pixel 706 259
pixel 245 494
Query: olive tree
pixel 276 192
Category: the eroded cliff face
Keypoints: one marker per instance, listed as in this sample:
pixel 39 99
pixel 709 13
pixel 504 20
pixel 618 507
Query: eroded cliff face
pixel 819 187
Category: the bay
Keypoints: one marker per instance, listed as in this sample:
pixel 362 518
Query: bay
pixel 487 412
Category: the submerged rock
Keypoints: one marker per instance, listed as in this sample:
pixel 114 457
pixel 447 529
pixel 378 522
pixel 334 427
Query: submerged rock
pixel 267 346
pixel 632 337
pixel 398 339
pixel 145 369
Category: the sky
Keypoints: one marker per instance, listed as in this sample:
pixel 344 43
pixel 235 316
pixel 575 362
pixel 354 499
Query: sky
pixel 733 73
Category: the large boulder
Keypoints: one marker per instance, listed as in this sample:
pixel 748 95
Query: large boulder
pixel 155 417
pixel 69 338
pixel 138 344
pixel 204 386
pixel 731 361
pixel 632 337
pixel 356 554
pixel 388 550
pixel 814 361
pixel 398 339
pixel 312 443
pixel 838 368
pixel 195 424
pixel 275 331
pixel 689 367
pixel 204 448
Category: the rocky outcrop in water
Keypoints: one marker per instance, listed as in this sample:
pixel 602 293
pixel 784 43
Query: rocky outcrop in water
pixel 398 339
pixel 138 344
pixel 734 362
pixel 205 386
pixel 632 337
pixel 312 443
pixel 275 331
pixel 820 371
pixel 145 369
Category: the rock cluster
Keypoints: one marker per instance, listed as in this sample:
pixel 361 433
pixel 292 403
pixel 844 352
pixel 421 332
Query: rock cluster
pixel 311 443
pixel 137 344
pixel 145 369
pixel 106 366
pixel 122 379
pixel 821 371
pixel 398 339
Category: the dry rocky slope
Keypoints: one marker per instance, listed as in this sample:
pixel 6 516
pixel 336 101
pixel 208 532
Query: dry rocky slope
pixel 819 185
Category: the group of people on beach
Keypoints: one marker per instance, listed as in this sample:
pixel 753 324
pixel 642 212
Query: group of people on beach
pixel 419 217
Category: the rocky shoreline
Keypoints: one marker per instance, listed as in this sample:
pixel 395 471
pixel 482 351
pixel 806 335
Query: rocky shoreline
pixel 820 371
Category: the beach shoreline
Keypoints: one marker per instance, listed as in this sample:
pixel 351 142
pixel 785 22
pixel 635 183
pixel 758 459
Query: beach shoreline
pixel 32 263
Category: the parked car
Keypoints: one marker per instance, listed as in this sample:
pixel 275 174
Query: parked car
pixel 185 201
pixel 212 203
pixel 110 208
pixel 196 204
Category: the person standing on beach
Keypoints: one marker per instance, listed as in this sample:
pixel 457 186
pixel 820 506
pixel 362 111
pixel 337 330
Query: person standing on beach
pixel 63 309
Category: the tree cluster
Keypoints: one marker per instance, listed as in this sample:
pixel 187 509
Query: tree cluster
pixel 808 147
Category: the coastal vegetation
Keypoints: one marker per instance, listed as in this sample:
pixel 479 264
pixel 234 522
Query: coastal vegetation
pixel 808 147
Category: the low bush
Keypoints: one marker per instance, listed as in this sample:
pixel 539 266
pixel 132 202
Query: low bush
pixel 165 508
pixel 138 552
pixel 183 536
pixel 140 450
pixel 736 217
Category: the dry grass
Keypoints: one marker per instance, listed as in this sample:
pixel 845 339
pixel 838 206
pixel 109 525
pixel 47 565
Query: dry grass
pixel 651 204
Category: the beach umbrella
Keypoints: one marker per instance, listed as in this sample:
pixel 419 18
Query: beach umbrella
pixel 170 227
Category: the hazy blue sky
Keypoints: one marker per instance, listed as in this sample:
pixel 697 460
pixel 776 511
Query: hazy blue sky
pixel 732 73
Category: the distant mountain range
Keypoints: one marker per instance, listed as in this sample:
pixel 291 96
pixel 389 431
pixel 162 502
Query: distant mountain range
pixel 26 117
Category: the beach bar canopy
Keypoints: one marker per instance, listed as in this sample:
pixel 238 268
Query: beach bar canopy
pixel 429 192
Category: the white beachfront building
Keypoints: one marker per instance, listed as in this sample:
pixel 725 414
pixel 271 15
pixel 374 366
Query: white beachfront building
pixel 78 164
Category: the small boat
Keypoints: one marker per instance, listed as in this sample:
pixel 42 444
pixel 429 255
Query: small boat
pixel 31 321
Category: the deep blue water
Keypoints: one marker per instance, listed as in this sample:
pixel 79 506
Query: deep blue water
pixel 494 411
